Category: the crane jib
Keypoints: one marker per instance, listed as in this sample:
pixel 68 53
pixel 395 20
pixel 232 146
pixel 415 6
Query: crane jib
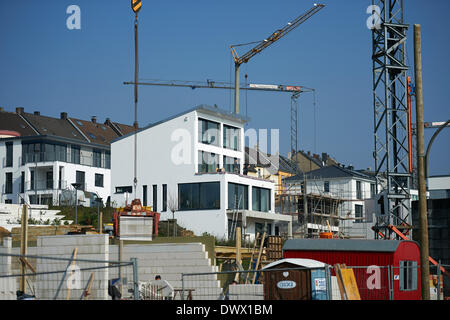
pixel 275 36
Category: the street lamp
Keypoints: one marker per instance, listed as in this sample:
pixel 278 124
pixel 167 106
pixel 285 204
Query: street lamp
pixel 99 201
pixel 76 186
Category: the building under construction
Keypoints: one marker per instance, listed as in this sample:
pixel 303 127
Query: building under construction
pixel 336 203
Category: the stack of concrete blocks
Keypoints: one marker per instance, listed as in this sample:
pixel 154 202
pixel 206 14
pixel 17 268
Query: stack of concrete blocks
pixel 170 260
pixel 8 286
pixel 246 292
pixel 91 247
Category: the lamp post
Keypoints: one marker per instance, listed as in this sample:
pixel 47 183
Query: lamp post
pixel 76 186
pixel 99 201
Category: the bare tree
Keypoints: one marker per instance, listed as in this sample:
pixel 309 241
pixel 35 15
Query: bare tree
pixel 172 204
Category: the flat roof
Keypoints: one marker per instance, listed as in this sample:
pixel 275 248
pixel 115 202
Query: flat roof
pixel 202 108
pixel 343 245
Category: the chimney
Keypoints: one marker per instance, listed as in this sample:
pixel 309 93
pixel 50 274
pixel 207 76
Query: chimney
pixel 63 116
pixel 37 113
pixel 94 119
pixel 324 157
pixel 19 110
pixel 107 121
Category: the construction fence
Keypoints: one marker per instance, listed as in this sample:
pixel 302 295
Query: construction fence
pixel 34 277
pixel 365 283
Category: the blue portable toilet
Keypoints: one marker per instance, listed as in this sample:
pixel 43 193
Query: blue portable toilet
pixel 320 277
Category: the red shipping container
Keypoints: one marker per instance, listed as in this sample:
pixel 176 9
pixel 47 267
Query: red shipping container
pixel 373 256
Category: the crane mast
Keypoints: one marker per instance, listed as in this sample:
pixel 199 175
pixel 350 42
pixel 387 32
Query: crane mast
pixel 277 35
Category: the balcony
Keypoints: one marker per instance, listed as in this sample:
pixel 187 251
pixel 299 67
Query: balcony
pixel 46 184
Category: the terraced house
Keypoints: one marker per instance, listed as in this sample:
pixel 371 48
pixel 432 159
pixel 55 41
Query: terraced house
pixel 43 159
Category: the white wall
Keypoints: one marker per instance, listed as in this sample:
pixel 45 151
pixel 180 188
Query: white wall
pixel 439 183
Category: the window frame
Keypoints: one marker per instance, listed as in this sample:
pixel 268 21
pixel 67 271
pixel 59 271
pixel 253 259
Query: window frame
pixel 102 181
pixel 360 214
pixel 204 132
pixel 245 193
pixel 202 189
pixel 408 275
pixel 258 192
pixel 9 183
pixel 231 140
pixel 9 154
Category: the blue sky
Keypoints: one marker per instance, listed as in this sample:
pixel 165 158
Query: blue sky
pixel 46 67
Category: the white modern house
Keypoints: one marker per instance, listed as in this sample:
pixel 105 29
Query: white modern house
pixel 193 161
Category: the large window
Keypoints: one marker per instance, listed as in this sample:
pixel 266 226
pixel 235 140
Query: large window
pixel 164 197
pixel 9 154
pixel 155 198
pixel 80 178
pixel 231 164
pixel 108 160
pixel 237 196
pixel 31 152
pixel 231 137
pixel 372 190
pixel 22 182
pixel 49 180
pixel 32 180
pixel 98 180
pixel 54 152
pixel 37 152
pixel 144 196
pixel 208 132
pixel 199 196
pixel 207 162
pixel 408 275
pixel 358 213
pixel 97 158
pixel 75 154
pixel 261 199
pixel 358 190
pixel 326 186
pixel 8 182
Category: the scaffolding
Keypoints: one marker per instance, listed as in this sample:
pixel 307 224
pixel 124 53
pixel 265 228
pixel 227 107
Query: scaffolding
pixel 330 211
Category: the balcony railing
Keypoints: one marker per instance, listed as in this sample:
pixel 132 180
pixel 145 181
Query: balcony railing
pixel 47 184
pixel 90 161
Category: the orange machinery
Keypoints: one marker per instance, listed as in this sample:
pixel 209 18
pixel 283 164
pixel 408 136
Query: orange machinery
pixel 135 210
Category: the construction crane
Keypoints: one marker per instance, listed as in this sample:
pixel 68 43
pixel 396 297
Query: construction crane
pixel 277 35
pixel 295 92
pixel 392 138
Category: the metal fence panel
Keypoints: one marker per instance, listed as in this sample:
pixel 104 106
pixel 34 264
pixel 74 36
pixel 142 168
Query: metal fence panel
pixel 65 278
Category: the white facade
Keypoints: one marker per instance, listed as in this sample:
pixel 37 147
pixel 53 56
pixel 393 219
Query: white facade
pixel 168 155
pixel 43 182
pixel 439 187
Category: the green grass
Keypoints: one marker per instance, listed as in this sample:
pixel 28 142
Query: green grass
pixel 85 215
